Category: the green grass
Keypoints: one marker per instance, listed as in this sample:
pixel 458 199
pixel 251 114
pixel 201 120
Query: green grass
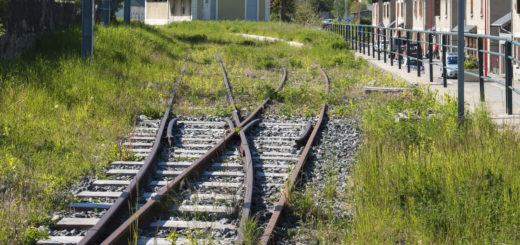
pixel 61 118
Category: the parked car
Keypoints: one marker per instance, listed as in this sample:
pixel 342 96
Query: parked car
pixel 403 50
pixel 413 63
pixel 325 24
pixel 451 65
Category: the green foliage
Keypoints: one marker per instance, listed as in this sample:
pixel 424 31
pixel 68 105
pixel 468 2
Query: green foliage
pixel 265 62
pixel 251 231
pixel 422 177
pixel 471 63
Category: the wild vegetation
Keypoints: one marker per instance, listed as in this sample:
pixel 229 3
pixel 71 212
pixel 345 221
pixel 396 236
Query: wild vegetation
pixel 420 176
pixel 62 117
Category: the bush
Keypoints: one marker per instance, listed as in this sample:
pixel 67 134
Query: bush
pixel 471 63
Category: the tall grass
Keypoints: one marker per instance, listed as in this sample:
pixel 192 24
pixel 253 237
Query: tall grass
pixel 425 178
pixel 61 118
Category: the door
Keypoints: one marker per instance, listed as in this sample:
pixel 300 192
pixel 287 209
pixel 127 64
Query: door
pixel 206 14
pixel 252 10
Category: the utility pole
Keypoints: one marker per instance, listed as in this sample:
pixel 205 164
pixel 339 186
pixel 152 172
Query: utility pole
pixel 87 28
pixel 460 63
pixel 127 12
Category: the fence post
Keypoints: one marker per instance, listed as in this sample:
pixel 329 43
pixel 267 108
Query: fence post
pixel 398 50
pixel 379 46
pixel 392 49
pixel 430 50
pixel 373 42
pixel 408 51
pixel 419 54
pixel 509 78
pixel 106 12
pixel 384 46
pixel 363 40
pixel 127 12
pixel 480 46
pixel 444 78
pixel 87 28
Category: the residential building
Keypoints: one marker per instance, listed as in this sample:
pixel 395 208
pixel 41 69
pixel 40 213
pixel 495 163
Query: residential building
pixel 515 22
pixel 389 14
pixel 136 10
pixel 403 11
pixel 503 25
pixel 424 13
pixel 446 20
pixel 160 12
pixel 479 16
pixel 377 13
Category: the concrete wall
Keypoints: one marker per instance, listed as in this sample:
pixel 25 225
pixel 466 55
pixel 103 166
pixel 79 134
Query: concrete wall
pixel 231 9
pixel 25 20
pixel 156 13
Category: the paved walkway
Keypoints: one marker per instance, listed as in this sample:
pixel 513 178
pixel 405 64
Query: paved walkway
pixel 494 93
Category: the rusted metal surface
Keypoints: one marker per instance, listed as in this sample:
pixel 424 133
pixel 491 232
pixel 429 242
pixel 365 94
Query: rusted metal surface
pixel 305 135
pixel 267 235
pixel 249 178
pixel 121 207
pixel 146 213
pixel 236 117
pixel 169 132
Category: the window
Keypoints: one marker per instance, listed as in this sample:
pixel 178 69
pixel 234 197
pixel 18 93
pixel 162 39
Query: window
pixel 415 8
pixel 481 7
pixel 471 7
pixel 517 6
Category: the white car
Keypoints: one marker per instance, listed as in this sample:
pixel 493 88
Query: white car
pixel 451 65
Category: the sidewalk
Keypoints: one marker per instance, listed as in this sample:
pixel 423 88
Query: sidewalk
pixel 494 93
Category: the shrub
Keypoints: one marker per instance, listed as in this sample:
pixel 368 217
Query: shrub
pixel 471 63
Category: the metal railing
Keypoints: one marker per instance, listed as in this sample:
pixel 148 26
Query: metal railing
pixel 381 41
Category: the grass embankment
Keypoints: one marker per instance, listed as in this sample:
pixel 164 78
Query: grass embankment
pixel 421 178
pixel 62 118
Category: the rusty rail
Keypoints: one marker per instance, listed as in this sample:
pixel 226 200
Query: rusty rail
pixel 267 235
pixel 122 235
pixel 236 117
pixel 122 206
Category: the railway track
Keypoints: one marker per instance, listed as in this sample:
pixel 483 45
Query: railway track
pixel 193 182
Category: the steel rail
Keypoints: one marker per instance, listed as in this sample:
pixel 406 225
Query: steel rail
pixel 144 215
pixel 122 206
pixel 267 235
pixel 236 117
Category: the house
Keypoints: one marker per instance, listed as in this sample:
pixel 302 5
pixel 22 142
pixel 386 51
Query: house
pixel 503 25
pixel 424 13
pixel 160 12
pixel 446 20
pixel 479 16
pixel 389 14
pixel 377 13
pixel 515 32
pixel 136 10
pixel 403 11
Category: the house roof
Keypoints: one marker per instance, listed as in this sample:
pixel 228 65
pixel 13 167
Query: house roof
pixel 467 29
pixel 504 20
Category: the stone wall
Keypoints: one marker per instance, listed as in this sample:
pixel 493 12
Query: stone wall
pixel 25 20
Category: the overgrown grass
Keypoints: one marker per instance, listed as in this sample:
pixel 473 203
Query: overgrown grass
pixel 61 118
pixel 425 178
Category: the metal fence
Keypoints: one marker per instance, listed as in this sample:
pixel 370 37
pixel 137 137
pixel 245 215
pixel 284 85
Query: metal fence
pixel 399 45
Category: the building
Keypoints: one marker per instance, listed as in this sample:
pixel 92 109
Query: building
pixel 503 25
pixel 446 20
pixel 403 11
pixel 160 12
pixel 388 14
pixel 479 16
pixel 377 13
pixel 136 10
pixel 424 13
pixel 515 32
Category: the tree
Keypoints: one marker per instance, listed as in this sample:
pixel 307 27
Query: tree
pixel 286 13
